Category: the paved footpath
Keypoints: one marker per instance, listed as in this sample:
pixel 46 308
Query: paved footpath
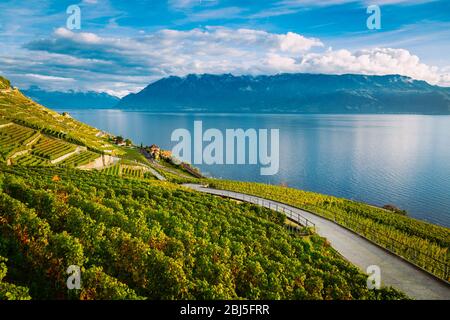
pixel 395 271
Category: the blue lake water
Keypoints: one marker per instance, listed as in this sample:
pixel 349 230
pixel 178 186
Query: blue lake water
pixel 379 159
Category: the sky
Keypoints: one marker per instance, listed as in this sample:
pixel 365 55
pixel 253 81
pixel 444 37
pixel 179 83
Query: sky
pixel 122 46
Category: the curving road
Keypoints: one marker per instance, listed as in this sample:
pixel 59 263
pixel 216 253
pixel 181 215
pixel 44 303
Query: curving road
pixel 395 271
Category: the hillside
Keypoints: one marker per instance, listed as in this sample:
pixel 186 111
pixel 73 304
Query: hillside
pixel 4 83
pixel 71 99
pixel 423 244
pixel 18 110
pixel 134 240
pixel 138 238
pixel 32 135
pixel 291 93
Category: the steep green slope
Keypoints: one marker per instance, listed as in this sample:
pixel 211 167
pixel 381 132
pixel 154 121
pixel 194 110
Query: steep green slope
pixel 4 83
pixel 33 135
pixel 16 108
pixel 137 238
pixel 158 241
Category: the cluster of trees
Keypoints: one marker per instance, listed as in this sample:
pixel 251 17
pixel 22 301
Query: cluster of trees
pixel 136 239
pixel 424 244
pixel 121 140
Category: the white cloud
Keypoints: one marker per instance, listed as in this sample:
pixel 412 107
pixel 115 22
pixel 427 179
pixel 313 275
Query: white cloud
pixel 212 14
pixel 120 65
pixel 324 3
pixel 377 61
pixel 187 4
pixel 48 78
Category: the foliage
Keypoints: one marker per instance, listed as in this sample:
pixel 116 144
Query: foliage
pixel 10 291
pixel 80 159
pixel 422 243
pixel 136 238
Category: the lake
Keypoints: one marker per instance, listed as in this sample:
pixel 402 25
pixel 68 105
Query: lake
pixel 378 159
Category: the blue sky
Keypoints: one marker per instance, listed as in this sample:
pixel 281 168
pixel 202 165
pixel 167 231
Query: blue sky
pixel 124 45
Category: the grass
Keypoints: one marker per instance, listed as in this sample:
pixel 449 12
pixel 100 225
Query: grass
pixel 133 154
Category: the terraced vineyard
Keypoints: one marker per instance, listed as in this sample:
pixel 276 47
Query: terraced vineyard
pixel 52 149
pixel 30 160
pixel 124 170
pixel 4 121
pixel 21 145
pixel 32 135
pixel 14 105
pixel 132 172
pixel 112 170
pixel 12 137
pixel 80 159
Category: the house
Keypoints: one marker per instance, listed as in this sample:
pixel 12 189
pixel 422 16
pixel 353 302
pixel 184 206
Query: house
pixel 119 141
pixel 155 151
pixel 165 154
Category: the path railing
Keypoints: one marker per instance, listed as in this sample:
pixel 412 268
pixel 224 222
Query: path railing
pixel 290 214
pixel 424 260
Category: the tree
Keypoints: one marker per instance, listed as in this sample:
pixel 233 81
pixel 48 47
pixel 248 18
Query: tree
pixel 119 139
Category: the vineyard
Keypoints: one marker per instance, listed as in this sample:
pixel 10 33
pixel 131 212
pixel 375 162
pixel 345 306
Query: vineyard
pixel 138 239
pixel 25 112
pixel 132 172
pixel 13 136
pixel 23 146
pixel 128 171
pixel 80 159
pixel 135 237
pixel 424 244
pixel 9 291
pixel 52 149
pixel 30 160
pixel 4 83
pixel 112 170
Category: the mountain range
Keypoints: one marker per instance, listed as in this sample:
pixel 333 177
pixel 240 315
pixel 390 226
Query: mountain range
pixel 291 93
pixel 283 93
pixel 71 99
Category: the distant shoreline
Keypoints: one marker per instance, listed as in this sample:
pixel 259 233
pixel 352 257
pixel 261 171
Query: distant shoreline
pixel 199 112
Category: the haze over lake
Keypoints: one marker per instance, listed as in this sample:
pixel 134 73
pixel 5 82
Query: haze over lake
pixel 379 159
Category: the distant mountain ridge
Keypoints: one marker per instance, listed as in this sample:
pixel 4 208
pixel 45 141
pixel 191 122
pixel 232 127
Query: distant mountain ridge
pixel 71 99
pixel 291 93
